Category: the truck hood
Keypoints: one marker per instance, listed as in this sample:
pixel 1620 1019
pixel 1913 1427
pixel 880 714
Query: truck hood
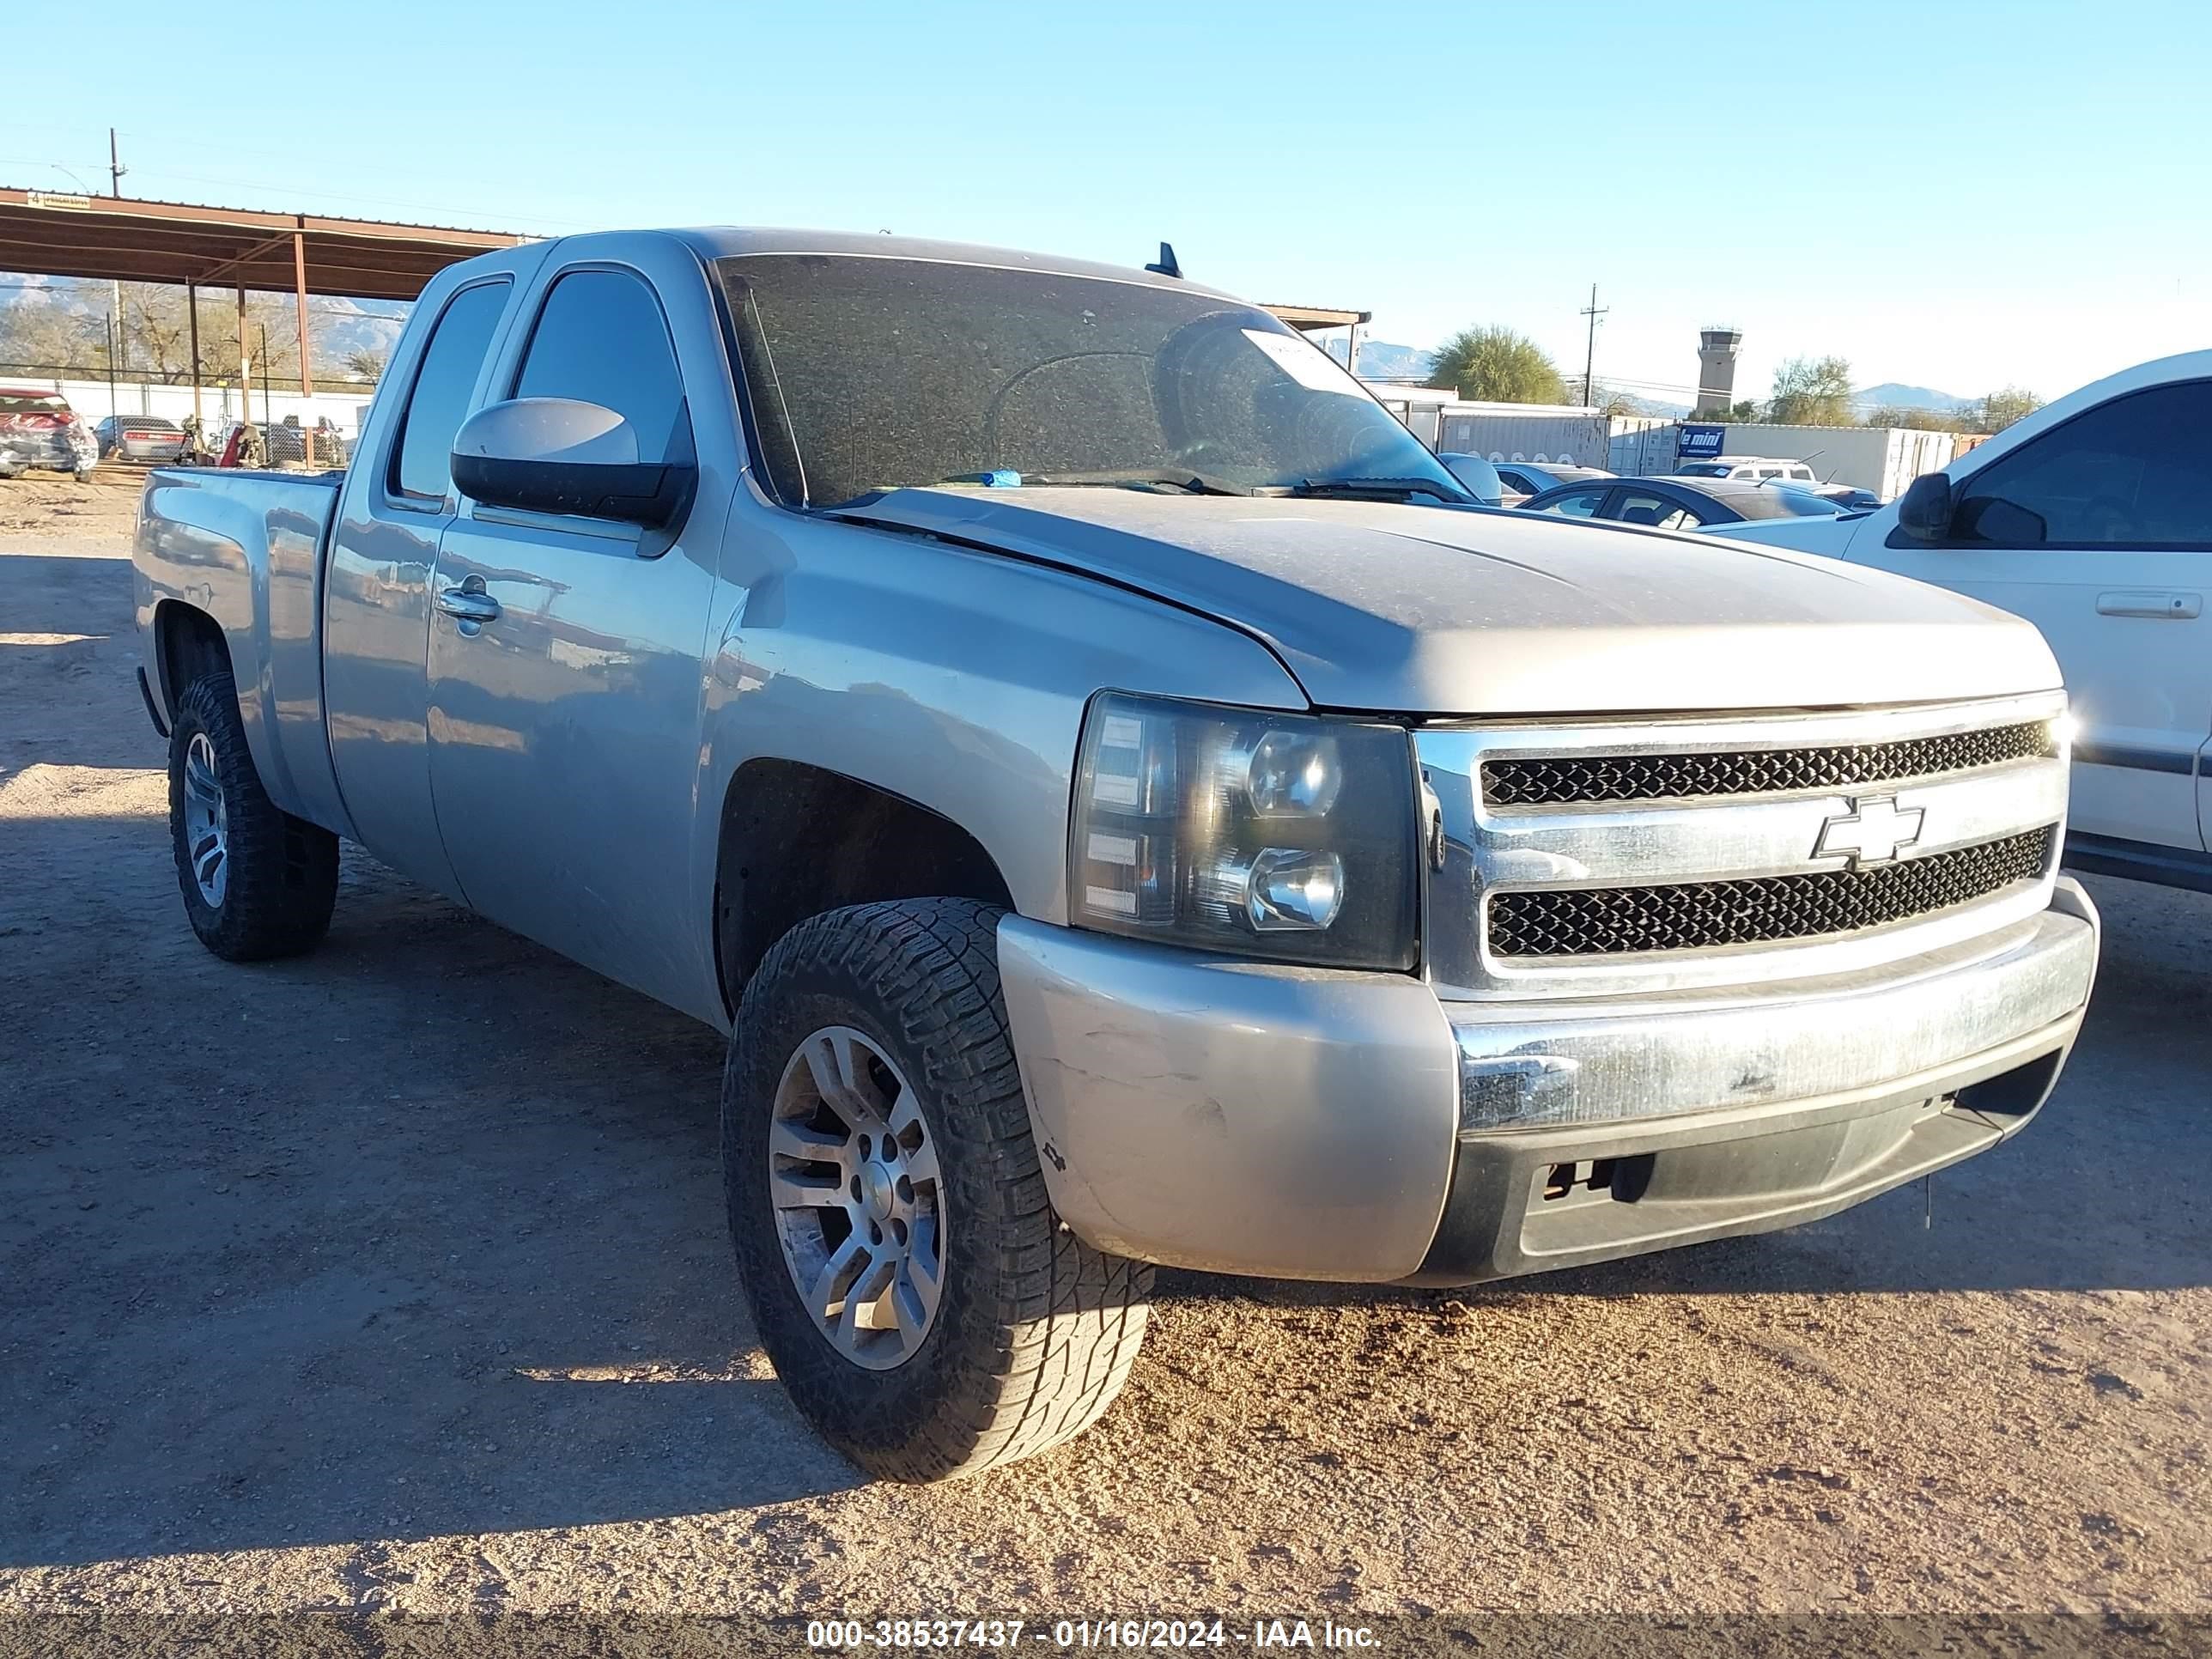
pixel 1436 610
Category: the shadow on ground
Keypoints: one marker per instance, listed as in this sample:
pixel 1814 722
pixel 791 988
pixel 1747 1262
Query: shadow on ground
pixel 421 1234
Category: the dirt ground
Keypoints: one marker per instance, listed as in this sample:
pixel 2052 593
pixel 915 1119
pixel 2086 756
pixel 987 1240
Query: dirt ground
pixel 396 1278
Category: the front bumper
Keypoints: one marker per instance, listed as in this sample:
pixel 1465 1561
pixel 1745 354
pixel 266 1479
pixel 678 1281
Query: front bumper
pixel 1300 1123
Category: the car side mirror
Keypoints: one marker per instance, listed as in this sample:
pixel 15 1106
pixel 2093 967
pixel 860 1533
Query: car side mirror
pixel 1923 512
pixel 561 455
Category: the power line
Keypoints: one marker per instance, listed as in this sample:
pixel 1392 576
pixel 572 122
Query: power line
pixel 1589 360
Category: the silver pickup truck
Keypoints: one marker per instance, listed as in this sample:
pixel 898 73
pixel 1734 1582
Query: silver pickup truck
pixel 1123 800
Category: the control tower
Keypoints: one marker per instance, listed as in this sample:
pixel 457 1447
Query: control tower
pixel 1717 350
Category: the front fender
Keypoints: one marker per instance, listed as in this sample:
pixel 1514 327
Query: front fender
pixel 952 677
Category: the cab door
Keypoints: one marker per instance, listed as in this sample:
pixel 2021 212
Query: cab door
pixel 565 680
pixel 2100 532
pixel 376 608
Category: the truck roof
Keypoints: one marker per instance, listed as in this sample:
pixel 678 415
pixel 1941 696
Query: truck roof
pixel 738 241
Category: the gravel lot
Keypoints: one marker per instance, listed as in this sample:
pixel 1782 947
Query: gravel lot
pixel 396 1278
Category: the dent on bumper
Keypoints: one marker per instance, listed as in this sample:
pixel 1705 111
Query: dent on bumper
pixel 1299 1123
pixel 1232 1117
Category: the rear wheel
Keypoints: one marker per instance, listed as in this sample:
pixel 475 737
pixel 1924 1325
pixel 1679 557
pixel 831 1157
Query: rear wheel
pixel 257 882
pixel 918 1296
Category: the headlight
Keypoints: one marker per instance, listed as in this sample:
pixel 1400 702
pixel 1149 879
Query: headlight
pixel 1276 836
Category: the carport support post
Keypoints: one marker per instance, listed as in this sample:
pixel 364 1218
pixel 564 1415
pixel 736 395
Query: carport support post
pixel 300 295
pixel 245 364
pixel 192 316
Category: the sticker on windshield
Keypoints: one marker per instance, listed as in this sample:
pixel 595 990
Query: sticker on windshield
pixel 1303 363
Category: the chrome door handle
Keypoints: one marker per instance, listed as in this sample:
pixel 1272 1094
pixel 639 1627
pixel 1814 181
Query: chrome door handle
pixel 469 606
pixel 2171 607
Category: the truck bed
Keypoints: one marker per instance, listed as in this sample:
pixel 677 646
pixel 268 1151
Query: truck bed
pixel 247 548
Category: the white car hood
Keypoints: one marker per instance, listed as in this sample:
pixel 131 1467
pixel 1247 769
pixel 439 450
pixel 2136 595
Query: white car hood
pixel 1434 610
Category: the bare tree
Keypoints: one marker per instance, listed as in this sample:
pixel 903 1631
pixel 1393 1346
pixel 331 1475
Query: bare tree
pixel 1913 417
pixel 1812 391
pixel 2001 408
pixel 51 337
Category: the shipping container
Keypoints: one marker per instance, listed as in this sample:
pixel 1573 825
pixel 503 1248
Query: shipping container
pixel 1562 434
pixel 1648 452
pixel 1884 459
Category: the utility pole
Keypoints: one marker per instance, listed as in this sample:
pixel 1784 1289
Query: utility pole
pixel 115 171
pixel 1592 311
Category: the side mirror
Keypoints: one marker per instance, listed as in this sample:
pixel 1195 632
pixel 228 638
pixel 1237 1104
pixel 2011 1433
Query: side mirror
pixel 559 455
pixel 1924 511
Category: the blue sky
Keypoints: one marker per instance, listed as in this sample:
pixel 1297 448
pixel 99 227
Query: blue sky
pixel 1954 194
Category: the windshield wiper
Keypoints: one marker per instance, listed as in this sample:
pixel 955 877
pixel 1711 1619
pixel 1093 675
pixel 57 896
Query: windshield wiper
pixel 1189 483
pixel 1380 489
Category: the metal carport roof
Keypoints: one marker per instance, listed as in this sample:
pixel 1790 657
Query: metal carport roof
pixel 118 239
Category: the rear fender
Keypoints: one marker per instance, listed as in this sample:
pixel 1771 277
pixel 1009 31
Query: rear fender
pixel 246 550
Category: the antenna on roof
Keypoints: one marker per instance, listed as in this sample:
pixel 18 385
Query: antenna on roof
pixel 1167 266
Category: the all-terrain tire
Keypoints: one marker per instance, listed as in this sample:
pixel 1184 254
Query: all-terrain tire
pixel 281 873
pixel 1034 1333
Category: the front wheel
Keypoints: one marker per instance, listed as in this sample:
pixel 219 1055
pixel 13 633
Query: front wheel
pixel 257 882
pixel 917 1294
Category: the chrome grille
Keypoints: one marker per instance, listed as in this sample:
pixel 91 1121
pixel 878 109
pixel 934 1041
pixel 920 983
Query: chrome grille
pixel 1705 915
pixel 1714 850
pixel 1546 780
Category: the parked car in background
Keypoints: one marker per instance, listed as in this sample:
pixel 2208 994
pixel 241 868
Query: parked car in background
pixel 1484 481
pixel 1753 467
pixel 1679 503
pixel 1534 477
pixel 2093 519
pixel 40 432
pixel 139 438
pixel 1849 498
pixel 1226 859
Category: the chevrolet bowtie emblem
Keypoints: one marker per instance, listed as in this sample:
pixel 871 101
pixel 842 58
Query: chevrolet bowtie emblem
pixel 1872 832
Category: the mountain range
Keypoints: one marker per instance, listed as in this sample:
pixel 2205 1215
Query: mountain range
pixel 1381 361
pixel 1892 395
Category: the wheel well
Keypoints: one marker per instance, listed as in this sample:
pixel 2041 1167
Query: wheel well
pixel 187 643
pixel 798 840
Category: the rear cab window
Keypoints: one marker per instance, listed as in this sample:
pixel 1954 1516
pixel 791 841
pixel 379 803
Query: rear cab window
pixel 421 470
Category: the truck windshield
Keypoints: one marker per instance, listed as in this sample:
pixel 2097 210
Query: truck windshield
pixel 868 373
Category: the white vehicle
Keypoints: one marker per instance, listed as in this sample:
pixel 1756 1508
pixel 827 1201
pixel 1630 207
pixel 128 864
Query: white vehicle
pixel 1755 469
pixel 2093 519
